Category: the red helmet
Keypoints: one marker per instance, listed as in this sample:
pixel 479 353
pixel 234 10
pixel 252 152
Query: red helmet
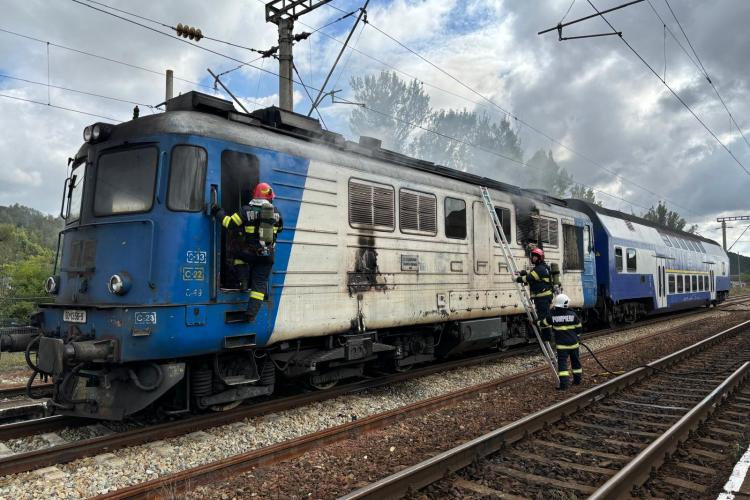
pixel 538 252
pixel 264 191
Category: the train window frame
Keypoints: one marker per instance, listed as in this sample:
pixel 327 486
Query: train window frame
pixel 201 184
pixel 672 280
pixel 127 149
pixel 501 211
pixel 694 279
pixel 680 283
pixel 588 243
pixel 665 238
pixel 700 245
pixel 573 255
pixel 81 166
pixel 688 286
pixel 537 220
pixel 683 243
pixel 706 286
pixel 373 184
pixel 634 258
pixel 445 217
pixel 619 261
pixel 419 196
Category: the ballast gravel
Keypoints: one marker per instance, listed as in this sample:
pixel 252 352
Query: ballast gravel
pixel 88 477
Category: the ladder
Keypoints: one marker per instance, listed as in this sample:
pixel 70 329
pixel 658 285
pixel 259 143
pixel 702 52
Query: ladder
pixel 547 350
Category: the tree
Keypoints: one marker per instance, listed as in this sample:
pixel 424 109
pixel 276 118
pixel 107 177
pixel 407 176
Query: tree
pixel 583 193
pixel 388 96
pixel 669 218
pixel 478 143
pixel 544 173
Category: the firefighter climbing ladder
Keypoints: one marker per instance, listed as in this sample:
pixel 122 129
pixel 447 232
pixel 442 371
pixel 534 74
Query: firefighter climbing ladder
pixel 547 350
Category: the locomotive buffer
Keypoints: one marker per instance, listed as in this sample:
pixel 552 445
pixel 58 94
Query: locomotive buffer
pixel 547 351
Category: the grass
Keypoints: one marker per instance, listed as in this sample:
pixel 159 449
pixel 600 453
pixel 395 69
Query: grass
pixel 12 361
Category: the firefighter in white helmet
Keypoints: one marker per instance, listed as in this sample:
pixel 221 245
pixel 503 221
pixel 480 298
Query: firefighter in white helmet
pixel 566 326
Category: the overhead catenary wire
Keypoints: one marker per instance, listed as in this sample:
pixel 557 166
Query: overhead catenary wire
pixel 73 110
pixel 673 92
pixel 509 114
pixel 519 162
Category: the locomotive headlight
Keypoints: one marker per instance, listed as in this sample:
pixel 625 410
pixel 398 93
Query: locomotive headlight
pixel 119 284
pixel 96 132
pixel 51 284
pixel 87 133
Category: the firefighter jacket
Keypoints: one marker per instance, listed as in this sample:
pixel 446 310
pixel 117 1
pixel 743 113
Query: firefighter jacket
pixel 566 325
pixel 246 223
pixel 539 280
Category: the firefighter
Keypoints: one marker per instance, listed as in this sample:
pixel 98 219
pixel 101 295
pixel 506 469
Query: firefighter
pixel 567 326
pixel 539 280
pixel 258 224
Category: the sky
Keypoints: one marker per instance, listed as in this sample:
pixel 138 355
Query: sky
pixel 605 116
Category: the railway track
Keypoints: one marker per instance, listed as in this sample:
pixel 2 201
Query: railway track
pixel 230 467
pixel 71 451
pixel 599 444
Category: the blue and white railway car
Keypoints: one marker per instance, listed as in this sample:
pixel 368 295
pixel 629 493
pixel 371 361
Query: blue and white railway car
pixel 383 260
pixel 644 268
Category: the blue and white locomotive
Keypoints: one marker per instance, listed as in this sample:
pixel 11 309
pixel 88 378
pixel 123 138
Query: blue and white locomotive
pixel 384 260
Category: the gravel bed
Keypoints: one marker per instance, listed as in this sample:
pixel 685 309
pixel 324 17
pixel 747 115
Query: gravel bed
pixel 90 476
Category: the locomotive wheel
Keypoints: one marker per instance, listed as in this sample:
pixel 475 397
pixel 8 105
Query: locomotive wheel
pixel 226 407
pixel 320 386
pixel 403 368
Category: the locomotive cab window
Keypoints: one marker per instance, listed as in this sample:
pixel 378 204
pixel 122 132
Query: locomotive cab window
pixel 417 212
pixel 671 283
pixel 371 205
pixel 618 259
pixel 125 181
pixel 455 218
pixel 187 176
pixel 631 260
pixel 504 215
pixel 545 229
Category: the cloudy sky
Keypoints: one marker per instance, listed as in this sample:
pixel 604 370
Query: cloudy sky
pixel 626 134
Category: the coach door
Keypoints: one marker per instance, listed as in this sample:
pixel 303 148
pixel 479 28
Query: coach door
pixel 660 283
pixel 712 281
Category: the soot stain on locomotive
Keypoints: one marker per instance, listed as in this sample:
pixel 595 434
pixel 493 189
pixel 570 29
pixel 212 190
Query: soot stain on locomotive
pixel 366 275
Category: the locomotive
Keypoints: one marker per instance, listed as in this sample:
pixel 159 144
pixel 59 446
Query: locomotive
pixel 384 260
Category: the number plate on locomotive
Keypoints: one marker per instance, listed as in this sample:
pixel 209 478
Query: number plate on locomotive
pixel 74 316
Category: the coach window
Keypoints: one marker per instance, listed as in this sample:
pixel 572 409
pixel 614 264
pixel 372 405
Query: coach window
pixel 680 284
pixel 683 244
pixel 187 175
pixel 455 218
pixel 666 239
pixel 687 283
pixel 700 283
pixel 545 230
pixel 504 215
pixel 700 245
pixel 631 260
pixel 417 212
pixel 572 248
pixel 371 205
pixel 671 283
pixel 705 283
pixel 618 259
pixel 695 283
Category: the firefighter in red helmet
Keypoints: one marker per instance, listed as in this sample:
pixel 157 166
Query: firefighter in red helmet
pixel 257 224
pixel 539 280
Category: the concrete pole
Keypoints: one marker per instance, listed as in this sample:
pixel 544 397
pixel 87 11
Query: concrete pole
pixel 169 92
pixel 724 234
pixel 286 87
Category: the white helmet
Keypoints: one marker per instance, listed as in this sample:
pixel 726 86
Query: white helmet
pixel 561 300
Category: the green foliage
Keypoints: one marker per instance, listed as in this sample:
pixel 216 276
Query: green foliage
pixel 739 264
pixel 460 139
pixel 546 174
pixel 583 193
pixel 669 218
pixel 389 96
pixel 28 240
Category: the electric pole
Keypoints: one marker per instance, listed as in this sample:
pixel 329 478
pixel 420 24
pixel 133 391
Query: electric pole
pixel 723 221
pixel 283 13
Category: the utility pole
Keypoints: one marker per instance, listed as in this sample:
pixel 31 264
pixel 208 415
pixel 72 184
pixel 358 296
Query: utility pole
pixel 283 14
pixel 723 221
pixel 169 91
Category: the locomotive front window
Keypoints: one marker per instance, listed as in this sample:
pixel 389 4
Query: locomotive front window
pixel 125 181
pixel 187 175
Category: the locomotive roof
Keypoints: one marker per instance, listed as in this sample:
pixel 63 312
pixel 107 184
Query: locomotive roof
pixel 300 127
pixel 575 203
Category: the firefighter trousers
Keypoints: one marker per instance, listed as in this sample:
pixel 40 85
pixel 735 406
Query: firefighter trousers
pixel 260 273
pixel 575 365
pixel 542 305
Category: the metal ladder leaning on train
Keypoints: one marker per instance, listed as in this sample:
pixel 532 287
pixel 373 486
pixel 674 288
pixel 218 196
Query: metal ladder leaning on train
pixel 385 262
